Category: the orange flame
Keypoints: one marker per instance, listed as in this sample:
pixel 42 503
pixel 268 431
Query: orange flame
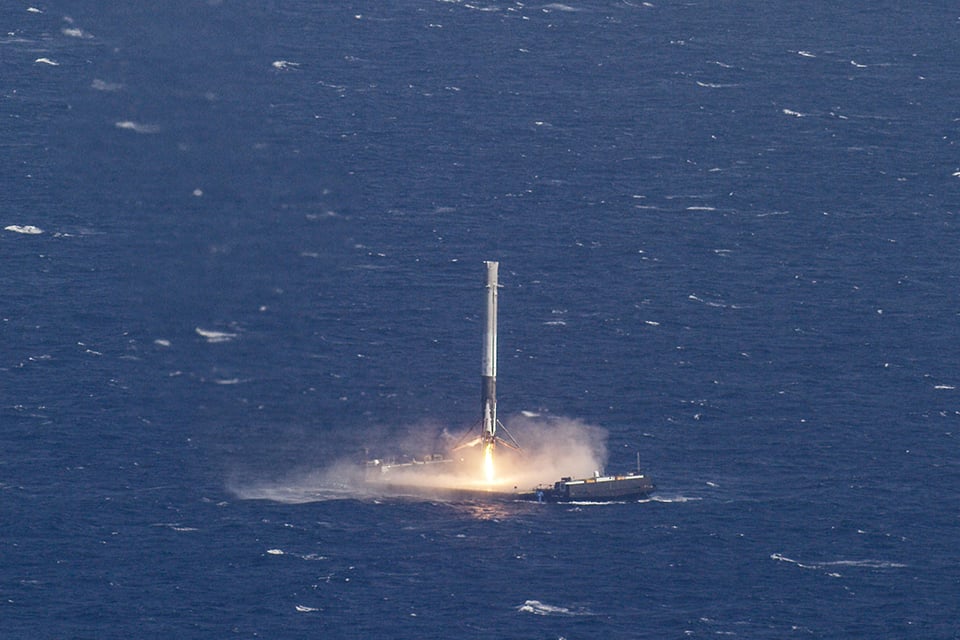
pixel 488 462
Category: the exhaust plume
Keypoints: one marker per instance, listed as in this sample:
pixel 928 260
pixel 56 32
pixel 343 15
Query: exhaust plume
pixel 553 447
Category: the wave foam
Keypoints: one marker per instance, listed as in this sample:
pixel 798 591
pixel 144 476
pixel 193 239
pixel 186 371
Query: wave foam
pixel 136 127
pixel 103 85
pixel 863 564
pixel 214 337
pixel 175 526
pixel 672 500
pixel 302 556
pixel 27 229
pixel 538 608
pixel 716 85
pixel 74 32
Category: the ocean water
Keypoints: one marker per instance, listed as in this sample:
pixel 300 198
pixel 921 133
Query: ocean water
pixel 244 240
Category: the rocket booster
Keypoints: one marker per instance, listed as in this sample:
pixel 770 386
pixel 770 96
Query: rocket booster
pixel 489 377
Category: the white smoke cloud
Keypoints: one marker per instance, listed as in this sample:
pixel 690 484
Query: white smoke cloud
pixel 552 448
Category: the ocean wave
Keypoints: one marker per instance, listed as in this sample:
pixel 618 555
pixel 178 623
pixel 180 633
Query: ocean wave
pixel 716 85
pixel 831 564
pixel 75 32
pixel 214 337
pixel 301 493
pixel 672 499
pixel 175 526
pixel 868 564
pixel 136 127
pixel 303 556
pixel 102 85
pixel 538 608
pixel 27 229
pixel 720 304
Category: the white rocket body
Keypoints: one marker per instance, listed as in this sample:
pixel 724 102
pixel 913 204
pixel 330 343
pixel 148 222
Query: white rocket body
pixel 489 376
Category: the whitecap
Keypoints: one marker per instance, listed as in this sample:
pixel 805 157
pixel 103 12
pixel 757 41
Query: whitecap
pixel 864 564
pixel 52 63
pixel 868 564
pixel 304 609
pixel 782 558
pixel 779 557
pixel 942 387
pixel 806 54
pixel 538 608
pixel 796 114
pixel 215 336
pixel 28 229
pixel 136 127
pixel 33 10
pixel 103 85
pixel 174 526
pixel 715 85
pixel 284 65
pixel 675 499
pixel 339 88
pixel 74 32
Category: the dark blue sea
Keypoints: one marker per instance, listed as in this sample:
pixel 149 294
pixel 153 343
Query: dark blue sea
pixel 242 241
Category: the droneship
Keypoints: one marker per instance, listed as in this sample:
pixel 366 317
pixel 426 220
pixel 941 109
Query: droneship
pixel 393 475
